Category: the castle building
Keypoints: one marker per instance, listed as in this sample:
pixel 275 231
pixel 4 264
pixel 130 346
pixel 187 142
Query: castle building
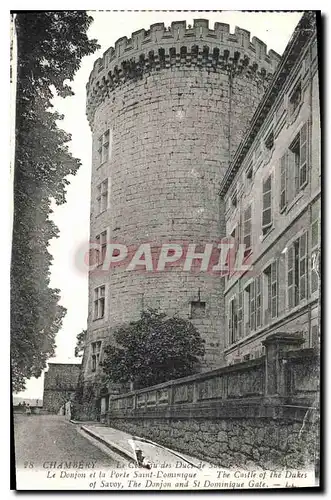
pixel 199 134
pixel 168 109
pixel 271 196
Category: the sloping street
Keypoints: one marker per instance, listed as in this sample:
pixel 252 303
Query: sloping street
pixel 41 439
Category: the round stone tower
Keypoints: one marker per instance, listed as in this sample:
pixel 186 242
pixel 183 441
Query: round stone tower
pixel 167 109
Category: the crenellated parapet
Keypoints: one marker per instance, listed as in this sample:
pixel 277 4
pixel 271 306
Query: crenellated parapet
pixel 179 46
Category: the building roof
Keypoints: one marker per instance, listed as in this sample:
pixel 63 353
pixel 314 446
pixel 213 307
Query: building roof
pixel 294 48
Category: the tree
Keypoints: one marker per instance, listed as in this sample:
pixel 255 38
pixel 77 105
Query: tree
pixel 80 346
pixel 50 46
pixel 153 350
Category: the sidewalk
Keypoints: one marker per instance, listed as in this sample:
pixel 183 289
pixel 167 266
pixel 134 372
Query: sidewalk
pixel 125 445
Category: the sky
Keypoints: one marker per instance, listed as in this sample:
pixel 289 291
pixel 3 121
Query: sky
pixel 72 218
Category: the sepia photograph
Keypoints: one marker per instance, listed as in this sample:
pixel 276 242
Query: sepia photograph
pixel 165 279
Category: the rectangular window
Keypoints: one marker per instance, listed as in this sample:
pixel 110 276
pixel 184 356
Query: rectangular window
pixel 297 271
pixel 103 147
pixel 250 308
pixel 283 175
pixel 102 196
pixel 99 302
pixel 101 240
pixel 248 230
pixel 233 321
pixel 267 207
pixel 270 275
pixel 96 348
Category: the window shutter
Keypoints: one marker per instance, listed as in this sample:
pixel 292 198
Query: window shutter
pixel 290 176
pixel 303 155
pixel 240 315
pixel 283 179
pixel 230 321
pixel 314 267
pixel 303 266
pixel 258 290
pixel 252 305
pixel 235 321
pixel 315 252
pixel 233 251
pixel 238 232
pixel 274 290
pixel 248 230
pixel 266 211
pixel 290 277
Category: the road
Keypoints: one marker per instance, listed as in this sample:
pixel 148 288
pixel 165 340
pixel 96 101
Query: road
pixel 50 438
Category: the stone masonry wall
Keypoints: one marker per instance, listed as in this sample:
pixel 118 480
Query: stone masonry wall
pixel 60 384
pixel 259 413
pixel 247 443
pixel 53 400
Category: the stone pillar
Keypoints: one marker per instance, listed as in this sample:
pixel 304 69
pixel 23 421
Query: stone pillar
pixel 275 370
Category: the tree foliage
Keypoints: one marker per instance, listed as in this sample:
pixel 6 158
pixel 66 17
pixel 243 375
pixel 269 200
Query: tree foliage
pixel 50 46
pixel 80 345
pixel 153 350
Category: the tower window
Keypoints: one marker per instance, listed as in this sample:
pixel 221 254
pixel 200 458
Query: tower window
pixel 102 196
pixel 104 147
pixel 101 240
pixel 96 349
pixel 99 302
